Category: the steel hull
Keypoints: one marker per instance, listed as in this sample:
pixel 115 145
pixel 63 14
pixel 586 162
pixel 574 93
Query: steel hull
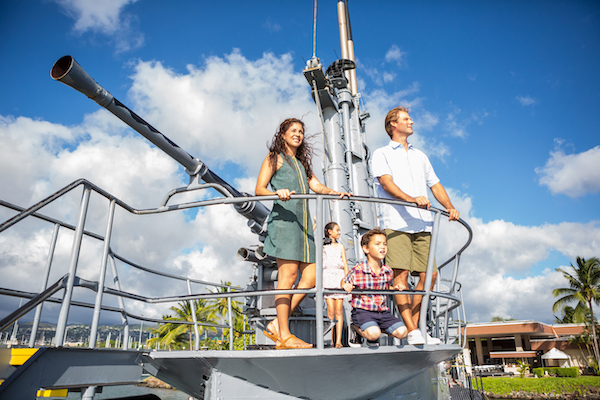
pixel 363 373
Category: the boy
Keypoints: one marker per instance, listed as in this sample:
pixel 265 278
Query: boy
pixel 370 312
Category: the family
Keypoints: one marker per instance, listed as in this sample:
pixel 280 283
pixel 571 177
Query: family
pixel 403 173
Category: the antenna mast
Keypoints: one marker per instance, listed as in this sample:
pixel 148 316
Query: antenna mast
pixel 346 42
pixel 315 32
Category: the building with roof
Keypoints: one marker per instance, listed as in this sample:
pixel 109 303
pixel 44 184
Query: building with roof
pixel 505 343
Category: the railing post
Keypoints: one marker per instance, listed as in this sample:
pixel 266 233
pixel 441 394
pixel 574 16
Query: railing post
pixel 38 310
pixel 66 304
pixel 438 305
pixel 102 275
pixel 429 275
pixel 194 318
pixel 113 266
pixel 230 319
pixel 319 273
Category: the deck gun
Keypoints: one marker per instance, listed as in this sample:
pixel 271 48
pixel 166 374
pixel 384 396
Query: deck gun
pixel 69 72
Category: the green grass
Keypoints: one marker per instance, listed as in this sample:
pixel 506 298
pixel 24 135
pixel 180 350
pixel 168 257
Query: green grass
pixel 503 386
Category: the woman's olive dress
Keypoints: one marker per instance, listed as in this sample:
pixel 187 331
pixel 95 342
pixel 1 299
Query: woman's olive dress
pixel 290 234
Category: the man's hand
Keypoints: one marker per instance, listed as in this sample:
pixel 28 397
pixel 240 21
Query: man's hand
pixel 422 202
pixel 454 214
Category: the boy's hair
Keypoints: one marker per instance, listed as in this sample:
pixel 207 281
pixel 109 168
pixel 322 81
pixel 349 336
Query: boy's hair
pixel 366 238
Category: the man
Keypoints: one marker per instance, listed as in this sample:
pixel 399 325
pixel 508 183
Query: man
pixel 404 173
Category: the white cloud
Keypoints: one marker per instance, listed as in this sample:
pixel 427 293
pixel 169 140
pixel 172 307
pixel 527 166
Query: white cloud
pixel 226 110
pixel 454 126
pixel 526 100
pixel 394 54
pixel 499 270
pixel 107 18
pixel 574 175
pixel 271 26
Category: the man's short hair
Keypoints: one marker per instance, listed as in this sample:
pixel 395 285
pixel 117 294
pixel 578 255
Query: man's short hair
pixel 366 238
pixel 392 116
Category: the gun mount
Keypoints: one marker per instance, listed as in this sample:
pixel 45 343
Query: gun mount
pixel 69 72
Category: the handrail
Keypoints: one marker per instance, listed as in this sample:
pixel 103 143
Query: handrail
pixel 30 305
pixel 318 290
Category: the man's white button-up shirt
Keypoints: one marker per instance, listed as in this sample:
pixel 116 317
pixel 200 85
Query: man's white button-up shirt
pixel 412 172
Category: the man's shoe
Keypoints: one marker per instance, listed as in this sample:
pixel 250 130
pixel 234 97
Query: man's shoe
pixel 355 339
pixel 415 337
pixel 433 340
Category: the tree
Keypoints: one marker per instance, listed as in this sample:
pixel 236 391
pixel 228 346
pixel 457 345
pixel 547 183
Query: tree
pixel 523 368
pixel 567 316
pixel 174 335
pixel 220 306
pixel 584 288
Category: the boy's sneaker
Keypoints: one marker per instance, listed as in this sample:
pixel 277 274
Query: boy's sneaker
pixel 355 339
pixel 433 340
pixel 415 337
pixel 372 343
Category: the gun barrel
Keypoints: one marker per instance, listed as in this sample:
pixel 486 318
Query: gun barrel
pixel 69 72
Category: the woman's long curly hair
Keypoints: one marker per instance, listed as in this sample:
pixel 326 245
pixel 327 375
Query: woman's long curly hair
pixel 303 154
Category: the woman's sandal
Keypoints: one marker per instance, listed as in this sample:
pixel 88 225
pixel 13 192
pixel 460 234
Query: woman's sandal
pixel 273 336
pixel 281 345
pixel 338 346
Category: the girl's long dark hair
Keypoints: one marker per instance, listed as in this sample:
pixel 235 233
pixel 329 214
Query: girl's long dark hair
pixel 303 154
pixel 328 227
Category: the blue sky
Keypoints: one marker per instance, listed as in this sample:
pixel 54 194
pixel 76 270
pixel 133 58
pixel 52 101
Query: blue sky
pixel 505 96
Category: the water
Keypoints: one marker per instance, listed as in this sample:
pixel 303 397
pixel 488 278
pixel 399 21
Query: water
pixel 110 392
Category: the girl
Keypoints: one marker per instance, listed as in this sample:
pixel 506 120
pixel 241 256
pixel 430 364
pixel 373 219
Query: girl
pixel 335 268
pixel 290 240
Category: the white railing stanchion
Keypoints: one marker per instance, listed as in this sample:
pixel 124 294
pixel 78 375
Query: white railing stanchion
pixel 102 275
pixel 429 275
pixel 319 273
pixel 38 310
pixel 66 304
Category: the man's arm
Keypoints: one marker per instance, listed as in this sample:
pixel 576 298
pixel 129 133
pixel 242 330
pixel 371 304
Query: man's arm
pixel 387 183
pixel 440 195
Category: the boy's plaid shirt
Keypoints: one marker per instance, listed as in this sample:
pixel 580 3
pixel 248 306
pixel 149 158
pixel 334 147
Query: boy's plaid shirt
pixel 362 277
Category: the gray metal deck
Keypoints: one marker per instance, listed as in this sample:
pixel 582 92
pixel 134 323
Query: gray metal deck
pixel 347 373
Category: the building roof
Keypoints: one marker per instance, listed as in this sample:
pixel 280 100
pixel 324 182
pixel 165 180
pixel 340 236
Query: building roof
pixel 510 328
pixel 512 354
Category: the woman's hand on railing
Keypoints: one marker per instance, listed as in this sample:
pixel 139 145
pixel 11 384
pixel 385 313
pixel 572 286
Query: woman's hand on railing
pixel 341 194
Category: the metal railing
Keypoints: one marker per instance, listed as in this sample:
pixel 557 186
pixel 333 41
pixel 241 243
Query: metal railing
pixel 439 314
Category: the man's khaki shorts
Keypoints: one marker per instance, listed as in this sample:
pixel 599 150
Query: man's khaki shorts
pixel 408 251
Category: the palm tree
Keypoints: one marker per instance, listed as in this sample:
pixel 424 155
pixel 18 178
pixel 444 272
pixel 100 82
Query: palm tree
pixel 174 335
pixel 584 339
pixel 584 287
pixel 220 306
pixel 238 331
pixel 567 316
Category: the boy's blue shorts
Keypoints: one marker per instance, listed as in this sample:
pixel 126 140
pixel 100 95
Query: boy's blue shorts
pixel 384 319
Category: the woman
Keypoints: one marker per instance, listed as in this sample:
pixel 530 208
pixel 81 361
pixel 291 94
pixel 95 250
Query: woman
pixel 287 168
